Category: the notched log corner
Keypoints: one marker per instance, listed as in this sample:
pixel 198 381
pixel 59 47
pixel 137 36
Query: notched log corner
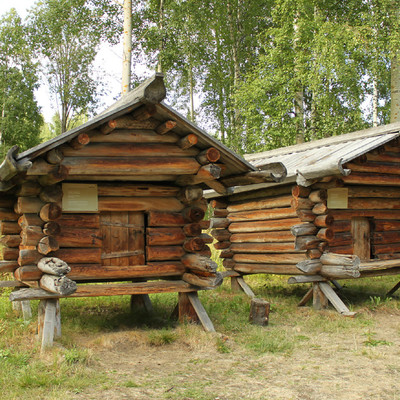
pixel 11 167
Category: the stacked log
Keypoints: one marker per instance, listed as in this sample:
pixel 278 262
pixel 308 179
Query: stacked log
pixel 9 229
pixel 54 277
pixel 254 233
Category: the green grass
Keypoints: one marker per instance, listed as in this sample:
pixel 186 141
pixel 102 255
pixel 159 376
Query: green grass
pixel 71 367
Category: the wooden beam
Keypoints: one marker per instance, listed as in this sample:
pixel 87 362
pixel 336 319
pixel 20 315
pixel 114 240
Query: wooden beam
pixel 108 290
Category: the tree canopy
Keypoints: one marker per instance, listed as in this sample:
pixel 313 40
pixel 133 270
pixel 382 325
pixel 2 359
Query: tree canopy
pixel 20 118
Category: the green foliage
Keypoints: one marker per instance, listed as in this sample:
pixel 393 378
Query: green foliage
pixel 66 34
pixel 20 118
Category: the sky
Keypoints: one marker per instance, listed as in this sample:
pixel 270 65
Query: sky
pixel 109 60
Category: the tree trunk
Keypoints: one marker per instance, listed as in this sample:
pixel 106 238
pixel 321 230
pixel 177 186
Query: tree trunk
pixel 127 47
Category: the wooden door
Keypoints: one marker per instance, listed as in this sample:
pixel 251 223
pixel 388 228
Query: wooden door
pixel 361 232
pixel 123 238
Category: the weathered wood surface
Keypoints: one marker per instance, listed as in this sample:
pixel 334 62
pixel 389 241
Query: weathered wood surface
pixel 365 178
pixel 50 212
pixel 210 155
pixel 165 127
pixel 286 258
pixel 53 266
pixel 136 190
pixel 78 142
pixel 201 312
pixel 73 256
pixel 79 221
pixel 47 245
pixel 220 223
pixel 378 265
pixel 377 214
pixel 130 165
pixel 303 229
pixel 108 290
pixel 9 253
pixel 11 240
pixel 8 215
pixel 300 203
pixel 275 213
pixel 9 228
pixel 165 236
pixel 130 150
pixel 309 267
pixel 163 253
pixel 259 312
pixel 58 284
pixel 339 272
pixel 221 234
pixel 323 221
pixel 276 268
pixel 262 237
pixel 278 247
pixel 8 266
pixel 157 218
pixel 203 281
pixel 272 202
pixel 96 272
pixel 51 194
pixel 300 191
pixel 268 192
pixel 306 279
pixel 340 259
pixel 139 135
pixel 199 263
pixel 112 203
pixel 194 244
pixel 262 226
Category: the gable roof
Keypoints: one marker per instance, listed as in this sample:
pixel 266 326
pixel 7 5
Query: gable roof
pixel 307 161
pixel 151 91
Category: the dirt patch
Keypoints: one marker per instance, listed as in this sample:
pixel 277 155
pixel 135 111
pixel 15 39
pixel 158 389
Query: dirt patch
pixel 363 364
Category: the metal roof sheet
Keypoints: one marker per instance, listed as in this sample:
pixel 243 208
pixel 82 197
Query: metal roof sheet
pixel 326 156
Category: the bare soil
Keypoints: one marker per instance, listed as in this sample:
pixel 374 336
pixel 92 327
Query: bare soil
pixel 330 365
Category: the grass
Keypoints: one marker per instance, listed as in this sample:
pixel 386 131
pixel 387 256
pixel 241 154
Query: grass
pixel 71 366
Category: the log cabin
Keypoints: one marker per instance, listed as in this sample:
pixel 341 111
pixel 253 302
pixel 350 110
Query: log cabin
pixel 335 216
pixel 118 200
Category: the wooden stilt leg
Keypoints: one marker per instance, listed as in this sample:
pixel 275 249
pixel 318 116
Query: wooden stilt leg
pixel 201 312
pixel 26 310
pixel 186 311
pixel 245 287
pixel 319 299
pixel 235 284
pixel 393 289
pixel 308 296
pixel 239 285
pixel 57 328
pixel 141 302
pixel 49 323
pixel 334 299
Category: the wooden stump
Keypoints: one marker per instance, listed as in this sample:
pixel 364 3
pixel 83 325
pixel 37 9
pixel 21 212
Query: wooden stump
pixel 259 312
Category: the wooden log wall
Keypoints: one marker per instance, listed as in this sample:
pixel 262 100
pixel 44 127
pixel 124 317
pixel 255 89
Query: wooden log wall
pixel 9 231
pixel 254 231
pixel 119 157
pixel 374 195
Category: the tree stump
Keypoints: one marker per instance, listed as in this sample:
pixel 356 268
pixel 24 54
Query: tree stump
pixel 259 312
